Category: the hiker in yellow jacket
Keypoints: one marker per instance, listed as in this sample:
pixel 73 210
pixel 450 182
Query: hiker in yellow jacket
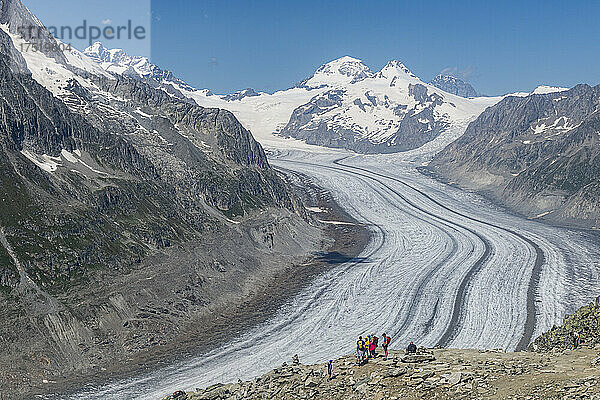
pixel 360 350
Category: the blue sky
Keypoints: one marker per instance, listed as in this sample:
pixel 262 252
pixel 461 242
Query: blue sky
pixel 268 45
pixel 98 14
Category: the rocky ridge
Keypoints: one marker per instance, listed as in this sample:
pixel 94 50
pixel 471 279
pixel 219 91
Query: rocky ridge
pixel 551 369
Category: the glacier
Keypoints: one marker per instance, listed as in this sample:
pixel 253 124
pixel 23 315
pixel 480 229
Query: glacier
pixel 443 265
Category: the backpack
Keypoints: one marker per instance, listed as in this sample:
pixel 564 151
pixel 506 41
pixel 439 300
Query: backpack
pixel 360 344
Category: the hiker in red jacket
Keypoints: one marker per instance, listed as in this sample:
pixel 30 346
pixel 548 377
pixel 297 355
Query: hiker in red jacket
pixel 371 350
pixel 374 342
pixel 386 343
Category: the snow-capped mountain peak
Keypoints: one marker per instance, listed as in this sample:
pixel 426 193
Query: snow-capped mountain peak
pixel 99 53
pixel 395 69
pixel 341 71
pixel 348 66
pixel 343 104
pixel 96 50
pixel 119 62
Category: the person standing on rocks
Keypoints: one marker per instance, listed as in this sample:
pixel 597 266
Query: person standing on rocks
pixel 329 370
pixel 576 340
pixel 385 344
pixel 360 350
pixel 372 345
pixel 412 348
pixel 373 349
pixel 367 347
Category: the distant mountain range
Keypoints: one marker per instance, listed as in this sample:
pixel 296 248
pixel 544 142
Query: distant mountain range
pixel 343 104
pixel 533 151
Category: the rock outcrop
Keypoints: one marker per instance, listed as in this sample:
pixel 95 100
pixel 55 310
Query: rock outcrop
pixel 553 371
pixel 585 322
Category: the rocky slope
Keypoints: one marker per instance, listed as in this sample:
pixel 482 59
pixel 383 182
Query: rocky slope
pixel 437 374
pixel 454 85
pixel 550 370
pixel 585 321
pixel 129 215
pixel 537 154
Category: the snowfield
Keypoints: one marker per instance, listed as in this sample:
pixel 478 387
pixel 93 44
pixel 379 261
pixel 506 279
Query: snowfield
pixel 443 267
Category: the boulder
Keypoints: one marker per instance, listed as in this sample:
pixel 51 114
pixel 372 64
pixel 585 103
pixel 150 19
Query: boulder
pixel 452 378
pixel 362 388
pixel 394 372
pixel 422 375
pixel 311 382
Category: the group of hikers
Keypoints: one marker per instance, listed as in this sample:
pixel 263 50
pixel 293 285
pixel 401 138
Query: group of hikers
pixel 367 348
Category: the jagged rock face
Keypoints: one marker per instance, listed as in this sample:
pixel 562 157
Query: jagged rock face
pixel 454 85
pixel 35 120
pixel 538 154
pixel 20 20
pixel 50 152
